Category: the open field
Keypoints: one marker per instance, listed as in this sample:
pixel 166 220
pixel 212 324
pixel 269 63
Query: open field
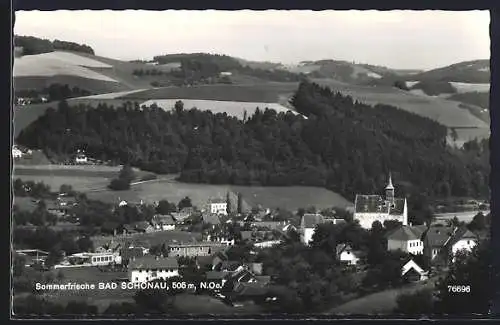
pixel 463 87
pixel 236 109
pixel 290 198
pixel 59 63
pixel 82 178
pixel 268 92
pixel 443 111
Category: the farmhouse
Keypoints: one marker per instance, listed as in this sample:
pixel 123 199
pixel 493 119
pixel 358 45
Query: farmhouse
pixel 371 208
pixel 462 240
pixel 346 254
pixel 412 272
pixel 163 222
pixel 408 239
pixel 149 268
pixel 143 226
pixel 217 206
pixel 435 239
pixel 308 226
pixel 81 158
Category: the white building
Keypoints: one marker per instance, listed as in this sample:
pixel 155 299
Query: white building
pixel 371 208
pixel 308 226
pixel 217 206
pixel 16 153
pixel 149 268
pixel 163 222
pixel 462 240
pixel 347 255
pixel 408 239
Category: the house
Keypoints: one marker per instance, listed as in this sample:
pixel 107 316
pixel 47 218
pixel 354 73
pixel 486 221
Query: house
pixel 103 258
pixel 289 227
pixel 371 208
pixel 143 226
pixel 220 239
pixel 149 268
pixel 435 239
pixel 267 243
pixel 411 272
pixel 248 292
pixel 54 207
pixel 16 153
pixel 346 254
pixel 195 249
pixel 217 206
pixel 122 203
pixel 226 74
pixel 163 222
pixel 408 239
pixel 462 240
pixel 335 221
pixel 211 219
pixel 183 214
pixel 129 229
pixel 308 226
pixel 81 158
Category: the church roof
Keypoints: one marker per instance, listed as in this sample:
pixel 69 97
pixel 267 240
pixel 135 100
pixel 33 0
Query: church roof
pixel 377 204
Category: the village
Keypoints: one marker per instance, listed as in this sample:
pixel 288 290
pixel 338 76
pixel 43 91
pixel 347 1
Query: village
pixel 195 244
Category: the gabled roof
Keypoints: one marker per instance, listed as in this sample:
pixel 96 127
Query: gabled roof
pixel 129 228
pixel 310 220
pixel 405 233
pixel 216 200
pixel 409 265
pixel 151 262
pixel 459 234
pixel 343 247
pixel 165 219
pixel 438 236
pixel 250 289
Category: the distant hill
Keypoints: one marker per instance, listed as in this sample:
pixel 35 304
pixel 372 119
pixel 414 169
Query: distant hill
pixel 33 45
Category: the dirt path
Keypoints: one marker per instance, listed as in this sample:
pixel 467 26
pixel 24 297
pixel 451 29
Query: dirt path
pixel 378 303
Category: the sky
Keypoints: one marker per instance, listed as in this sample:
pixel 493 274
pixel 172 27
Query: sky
pixel 395 39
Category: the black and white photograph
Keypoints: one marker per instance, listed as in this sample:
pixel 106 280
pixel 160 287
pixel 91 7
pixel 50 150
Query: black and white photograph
pixel 244 164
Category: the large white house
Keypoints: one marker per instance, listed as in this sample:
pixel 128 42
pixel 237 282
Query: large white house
pixel 371 208
pixel 347 255
pixel 217 206
pixel 149 268
pixel 462 240
pixel 308 226
pixel 408 239
pixel 16 153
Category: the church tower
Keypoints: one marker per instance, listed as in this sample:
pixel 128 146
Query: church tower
pixel 389 191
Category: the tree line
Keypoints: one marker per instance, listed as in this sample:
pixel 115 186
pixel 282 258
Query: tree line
pixel 34 45
pixel 343 145
pixel 54 92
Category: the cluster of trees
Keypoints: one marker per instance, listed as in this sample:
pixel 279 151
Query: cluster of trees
pixel 122 182
pixel 54 92
pixel 334 148
pixel 34 45
pixel 434 88
pixel 38 190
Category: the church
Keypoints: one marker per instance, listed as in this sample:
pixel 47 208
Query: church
pixel 371 208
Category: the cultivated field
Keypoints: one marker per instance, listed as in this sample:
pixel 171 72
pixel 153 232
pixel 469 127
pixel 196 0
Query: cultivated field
pixel 81 178
pixel 463 87
pixel 58 63
pixel 443 111
pixel 236 109
pixel 268 92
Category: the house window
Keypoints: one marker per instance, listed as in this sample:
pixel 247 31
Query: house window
pixel 136 278
pixel 468 242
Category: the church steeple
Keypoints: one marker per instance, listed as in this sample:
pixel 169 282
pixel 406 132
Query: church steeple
pixel 389 190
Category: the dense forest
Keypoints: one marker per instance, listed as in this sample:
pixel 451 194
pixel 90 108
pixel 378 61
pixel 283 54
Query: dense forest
pixel 343 145
pixel 34 45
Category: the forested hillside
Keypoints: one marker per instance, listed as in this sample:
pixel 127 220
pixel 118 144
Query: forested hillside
pixel 344 145
pixel 34 45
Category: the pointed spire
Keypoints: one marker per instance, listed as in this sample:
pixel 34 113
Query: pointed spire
pixel 389 185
